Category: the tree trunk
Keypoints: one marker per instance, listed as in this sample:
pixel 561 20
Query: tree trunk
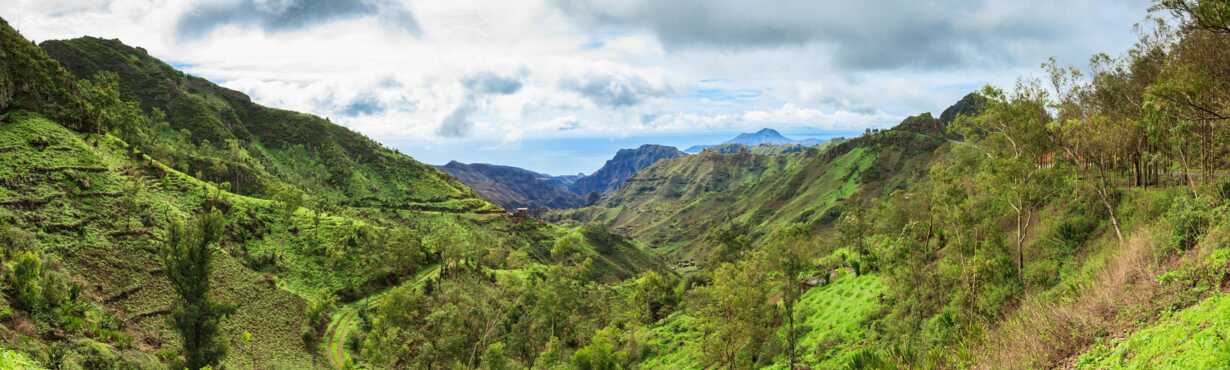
pixel 1020 250
pixel 1103 194
pixel 790 339
pixel 1022 230
pixel 1187 176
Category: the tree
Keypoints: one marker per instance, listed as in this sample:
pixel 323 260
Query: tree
pixel 599 354
pixel 787 260
pixel 654 296
pixel 852 231
pixel 736 317
pixel 117 115
pixel 1210 15
pixel 187 258
pixel 1089 136
pixel 731 239
pixel 1019 164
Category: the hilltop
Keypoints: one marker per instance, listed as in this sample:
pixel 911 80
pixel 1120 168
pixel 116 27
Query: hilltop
pixel 765 137
pixel 625 164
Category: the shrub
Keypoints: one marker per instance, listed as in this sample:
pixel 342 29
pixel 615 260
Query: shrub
pixel 602 239
pixel 494 358
pixel 1188 219
pixel 25 275
pixel 57 289
pixel 599 354
pixel 14 240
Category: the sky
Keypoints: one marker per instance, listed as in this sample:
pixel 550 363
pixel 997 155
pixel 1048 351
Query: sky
pixel 556 86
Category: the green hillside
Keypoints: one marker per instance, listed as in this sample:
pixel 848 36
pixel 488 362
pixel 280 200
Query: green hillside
pixel 87 213
pixel 1078 221
pixel 682 205
pixel 220 135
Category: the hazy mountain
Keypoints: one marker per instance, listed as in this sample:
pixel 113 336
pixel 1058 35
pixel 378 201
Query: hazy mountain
pixel 513 187
pixel 627 162
pixel 765 136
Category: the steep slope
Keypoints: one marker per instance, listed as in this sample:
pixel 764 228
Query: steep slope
pixel 84 216
pixel 60 185
pixel 678 204
pixel 30 80
pixel 263 146
pixel 625 164
pixel 512 187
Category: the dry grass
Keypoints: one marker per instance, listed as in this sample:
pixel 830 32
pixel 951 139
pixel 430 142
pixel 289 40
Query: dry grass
pixel 1048 332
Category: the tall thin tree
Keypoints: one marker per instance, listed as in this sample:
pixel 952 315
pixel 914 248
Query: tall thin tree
pixel 187 258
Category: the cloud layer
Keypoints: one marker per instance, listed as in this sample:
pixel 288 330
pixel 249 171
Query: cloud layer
pixel 286 15
pixel 867 34
pixel 464 77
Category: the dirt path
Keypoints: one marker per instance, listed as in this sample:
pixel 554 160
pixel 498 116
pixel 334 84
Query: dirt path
pixel 346 319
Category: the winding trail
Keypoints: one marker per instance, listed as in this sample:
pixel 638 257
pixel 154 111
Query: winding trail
pixel 346 320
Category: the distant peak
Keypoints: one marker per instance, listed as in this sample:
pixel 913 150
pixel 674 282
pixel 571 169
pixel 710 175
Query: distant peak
pixel 646 147
pixel 763 133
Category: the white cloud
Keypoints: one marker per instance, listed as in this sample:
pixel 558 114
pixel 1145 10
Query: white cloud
pixel 504 71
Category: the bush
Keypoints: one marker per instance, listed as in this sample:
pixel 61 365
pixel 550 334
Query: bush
pixel 602 239
pixel 25 275
pixel 1042 273
pixel 1188 219
pixel 14 240
pixel 494 358
pixel 599 354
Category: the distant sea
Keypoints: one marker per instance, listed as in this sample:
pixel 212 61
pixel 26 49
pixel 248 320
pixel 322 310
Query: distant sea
pixel 570 156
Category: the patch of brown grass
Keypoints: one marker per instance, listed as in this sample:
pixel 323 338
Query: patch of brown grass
pixel 1047 332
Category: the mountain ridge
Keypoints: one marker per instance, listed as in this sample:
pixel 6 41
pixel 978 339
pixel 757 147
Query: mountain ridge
pixel 514 187
pixel 764 136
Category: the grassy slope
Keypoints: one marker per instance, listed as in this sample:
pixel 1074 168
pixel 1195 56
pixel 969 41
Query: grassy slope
pixel 670 205
pixel 833 318
pixel 81 178
pixel 309 152
pixel 1183 328
pixel 1139 304
pixel 675 344
pixel 1195 338
pixel 102 208
pixel 116 255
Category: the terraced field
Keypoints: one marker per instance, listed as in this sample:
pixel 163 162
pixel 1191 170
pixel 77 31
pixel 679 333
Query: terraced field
pixel 834 315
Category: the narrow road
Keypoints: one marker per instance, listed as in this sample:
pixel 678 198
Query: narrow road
pixel 346 319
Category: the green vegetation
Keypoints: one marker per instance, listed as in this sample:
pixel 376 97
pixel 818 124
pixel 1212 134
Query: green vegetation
pixel 16 360
pixel 1081 220
pixel 1193 338
pixel 188 259
pixel 85 211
